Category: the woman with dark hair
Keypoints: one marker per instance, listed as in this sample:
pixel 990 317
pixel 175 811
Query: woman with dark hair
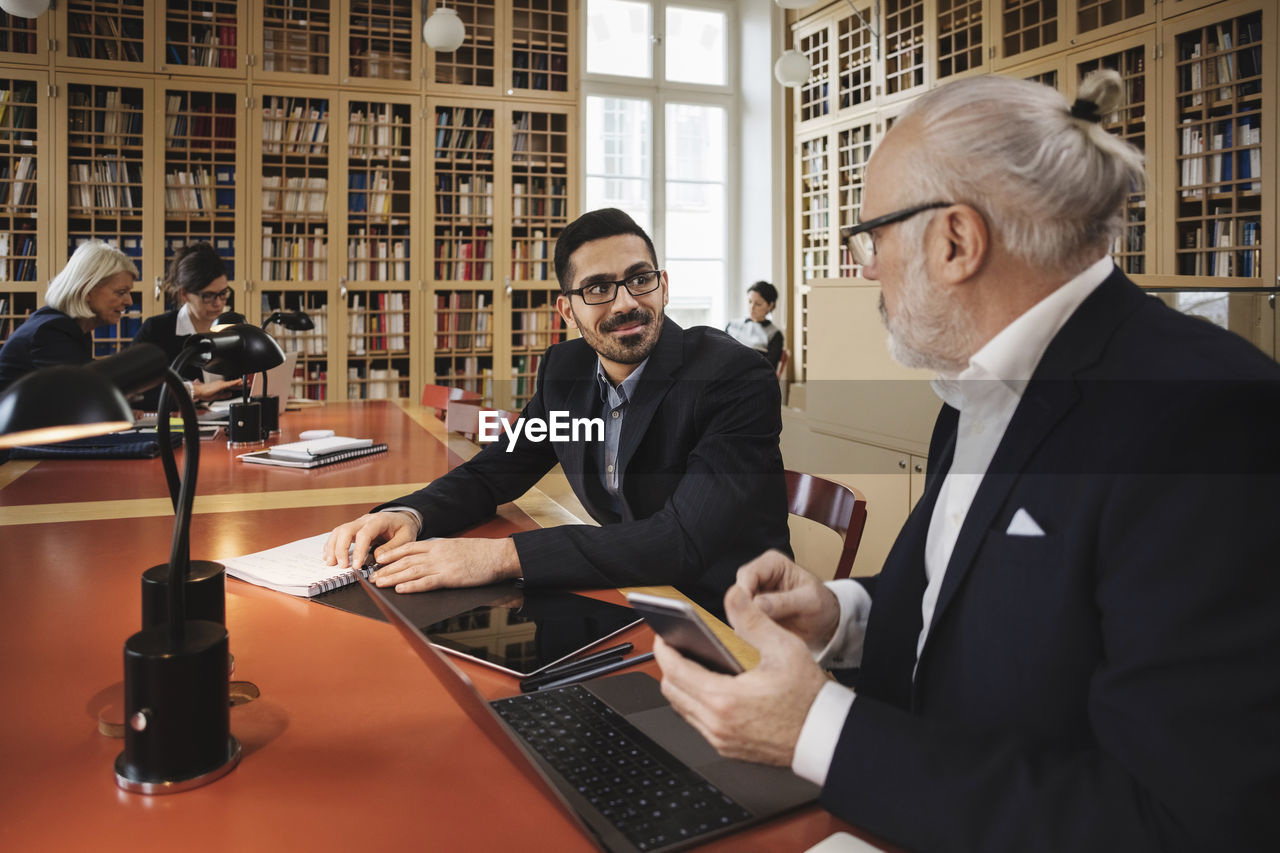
pixel 197 285
pixel 757 330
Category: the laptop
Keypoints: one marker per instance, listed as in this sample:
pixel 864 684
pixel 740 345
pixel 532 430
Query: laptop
pixel 279 381
pixel 676 791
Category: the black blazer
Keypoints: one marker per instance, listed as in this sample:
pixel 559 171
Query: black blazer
pixel 162 330
pixel 702 483
pixel 1115 683
pixel 46 338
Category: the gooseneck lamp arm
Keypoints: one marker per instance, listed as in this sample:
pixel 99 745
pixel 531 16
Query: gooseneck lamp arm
pixel 183 496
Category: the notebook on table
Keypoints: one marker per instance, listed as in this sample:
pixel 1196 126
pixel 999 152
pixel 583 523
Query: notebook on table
pixel 616 756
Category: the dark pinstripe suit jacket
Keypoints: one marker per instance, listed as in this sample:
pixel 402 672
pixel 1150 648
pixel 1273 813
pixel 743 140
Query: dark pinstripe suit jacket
pixel 702 483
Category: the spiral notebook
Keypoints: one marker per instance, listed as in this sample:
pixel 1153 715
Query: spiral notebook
pixel 295 568
pixel 284 459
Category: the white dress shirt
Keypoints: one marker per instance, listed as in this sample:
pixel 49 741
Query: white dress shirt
pixel 986 393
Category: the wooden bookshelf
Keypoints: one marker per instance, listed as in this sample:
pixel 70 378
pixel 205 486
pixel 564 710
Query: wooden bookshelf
pixel 379 358
pixel 464 340
pixel 24 40
pixel 105 34
pixel 297 40
pixel 853 150
pixel 204 38
pixel 205 183
pixel 23 162
pixel 813 97
pixel 474 65
pixel 540 54
pixel 465 182
pixel 539 190
pixel 961 46
pixel 535 325
pixel 311 375
pixel 904 62
pixel 381 43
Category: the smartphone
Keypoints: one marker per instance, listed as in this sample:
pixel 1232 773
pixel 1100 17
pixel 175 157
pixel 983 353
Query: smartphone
pixel 679 625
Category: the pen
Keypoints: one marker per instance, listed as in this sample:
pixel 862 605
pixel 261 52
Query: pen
pixel 560 670
pixel 603 669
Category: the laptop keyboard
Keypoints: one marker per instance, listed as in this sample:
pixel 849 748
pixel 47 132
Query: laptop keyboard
pixel 639 787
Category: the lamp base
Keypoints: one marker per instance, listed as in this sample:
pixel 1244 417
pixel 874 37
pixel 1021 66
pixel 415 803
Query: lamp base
pixel 205 588
pixel 244 424
pixel 177 710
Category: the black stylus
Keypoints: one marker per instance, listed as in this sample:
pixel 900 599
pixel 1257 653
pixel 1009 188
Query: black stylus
pixel 603 669
pixel 560 670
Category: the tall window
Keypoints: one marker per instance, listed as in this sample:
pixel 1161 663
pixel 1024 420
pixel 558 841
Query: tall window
pixel 659 115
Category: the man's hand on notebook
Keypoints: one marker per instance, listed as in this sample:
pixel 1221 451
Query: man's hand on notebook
pixel 446 563
pixel 349 543
pixel 755 716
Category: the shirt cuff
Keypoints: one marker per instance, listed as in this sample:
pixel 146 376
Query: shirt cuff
pixel 844 651
pixel 409 511
pixel 816 745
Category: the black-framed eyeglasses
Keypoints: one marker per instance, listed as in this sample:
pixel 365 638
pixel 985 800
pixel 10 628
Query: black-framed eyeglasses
pixel 859 239
pixel 602 292
pixel 208 297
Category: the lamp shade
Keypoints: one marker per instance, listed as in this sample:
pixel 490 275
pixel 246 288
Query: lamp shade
pixel 228 318
pixel 792 68
pixel 25 8
pixel 444 30
pixel 294 321
pixel 61 403
pixel 238 350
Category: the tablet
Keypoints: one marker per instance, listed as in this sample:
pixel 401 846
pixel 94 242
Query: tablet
pixel 517 631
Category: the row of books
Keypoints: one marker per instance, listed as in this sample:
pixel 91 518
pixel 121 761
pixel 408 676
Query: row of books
pixel 379 134
pixel 304 197
pixel 107 36
pixel 540 198
pixel 12 318
pixel 311 385
pixel 463 195
pixel 304 50
pixel 377 258
pixel 307 341
pixel 295 126
pixel 108 340
pixel 105 118
pixel 17 257
pixel 106 184
pixel 373 193
pixel 224 245
pixel 537 327
pixel 1234 164
pixel 1220 255
pixel 379 328
pixel 17 112
pixel 525 370
pixel 460 131
pixel 550 70
pixel 206 46
pixel 19 188
pixel 375 383
pixel 530 258
pixel 468 258
pixel 466 372
pixel 463 320
pixel 207 124
pixel 200 191
pixel 295 257
pixel 1219 65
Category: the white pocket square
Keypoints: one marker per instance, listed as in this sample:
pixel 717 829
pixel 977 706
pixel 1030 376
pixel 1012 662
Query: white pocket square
pixel 1022 524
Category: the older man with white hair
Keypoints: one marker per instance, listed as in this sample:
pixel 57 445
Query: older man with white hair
pixel 1075 641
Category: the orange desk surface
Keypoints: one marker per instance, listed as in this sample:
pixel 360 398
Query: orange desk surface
pixel 351 745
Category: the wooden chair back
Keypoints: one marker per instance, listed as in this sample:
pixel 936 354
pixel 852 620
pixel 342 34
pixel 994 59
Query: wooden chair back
pixel 438 397
pixel 835 505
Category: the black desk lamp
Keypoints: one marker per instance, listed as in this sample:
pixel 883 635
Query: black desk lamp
pixel 294 321
pixel 231 351
pixel 177 696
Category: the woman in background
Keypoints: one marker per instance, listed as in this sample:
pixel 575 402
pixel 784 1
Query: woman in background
pixel 197 285
pixel 94 289
pixel 757 330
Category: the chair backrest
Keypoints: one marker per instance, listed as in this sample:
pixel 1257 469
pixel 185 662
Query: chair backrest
pixel 783 358
pixel 834 505
pixel 464 418
pixel 438 397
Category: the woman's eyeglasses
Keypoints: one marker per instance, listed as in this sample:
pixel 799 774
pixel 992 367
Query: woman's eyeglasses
pixel 208 297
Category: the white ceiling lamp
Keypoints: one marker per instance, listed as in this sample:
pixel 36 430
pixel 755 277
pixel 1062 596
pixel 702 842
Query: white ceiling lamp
pixel 792 68
pixel 444 30
pixel 25 8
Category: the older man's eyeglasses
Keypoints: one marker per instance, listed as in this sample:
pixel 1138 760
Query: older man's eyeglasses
pixel 602 292
pixel 208 297
pixel 860 238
